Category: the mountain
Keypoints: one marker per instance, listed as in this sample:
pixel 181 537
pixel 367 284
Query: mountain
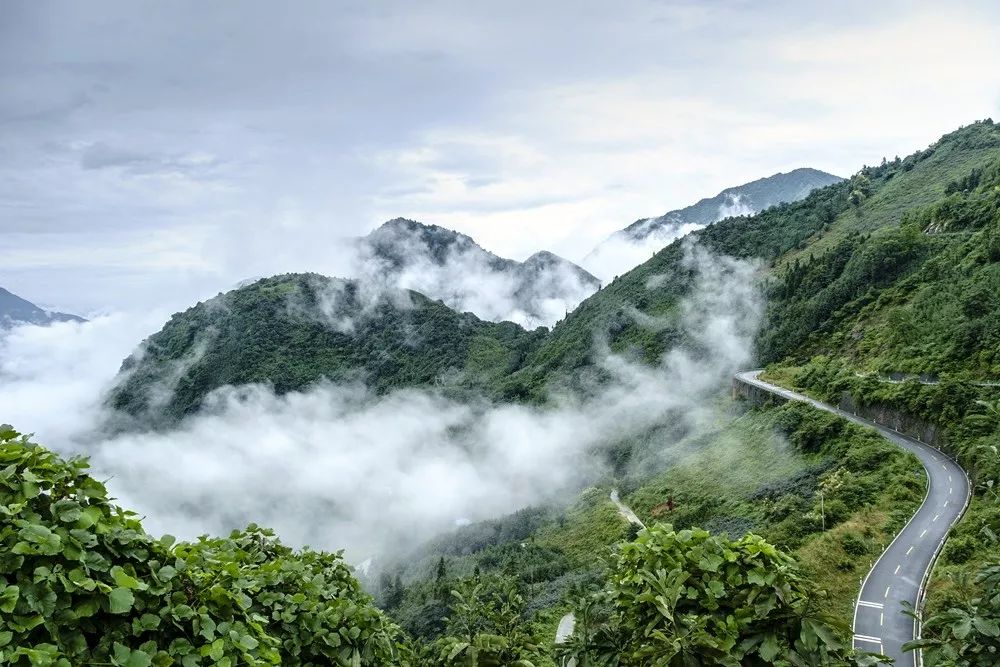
pixel 632 245
pixel 251 335
pixel 852 225
pixel 15 310
pixel 293 330
pixel 447 265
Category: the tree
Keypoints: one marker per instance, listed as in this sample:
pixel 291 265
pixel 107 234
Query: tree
pixel 485 628
pixel 688 597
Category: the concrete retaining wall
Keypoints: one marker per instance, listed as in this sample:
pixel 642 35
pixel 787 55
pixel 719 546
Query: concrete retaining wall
pixel 905 423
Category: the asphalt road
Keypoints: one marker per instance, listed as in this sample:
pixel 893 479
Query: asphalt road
pixel 900 572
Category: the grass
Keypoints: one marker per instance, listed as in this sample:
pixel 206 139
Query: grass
pixel 587 529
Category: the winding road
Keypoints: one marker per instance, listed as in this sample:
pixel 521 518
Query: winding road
pixel 900 573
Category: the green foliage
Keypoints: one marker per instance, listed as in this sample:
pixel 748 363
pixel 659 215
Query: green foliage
pixel 485 628
pixel 969 634
pixel 688 597
pixel 82 583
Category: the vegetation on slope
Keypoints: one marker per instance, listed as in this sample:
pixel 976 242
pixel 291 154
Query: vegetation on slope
pixel 839 220
pixel 726 482
pixel 910 236
pixel 293 330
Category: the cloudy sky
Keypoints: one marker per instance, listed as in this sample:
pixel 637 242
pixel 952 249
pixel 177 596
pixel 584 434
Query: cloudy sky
pixel 155 153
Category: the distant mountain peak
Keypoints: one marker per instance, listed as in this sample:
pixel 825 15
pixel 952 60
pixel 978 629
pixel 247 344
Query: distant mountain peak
pixel 15 310
pixel 634 244
pixel 451 266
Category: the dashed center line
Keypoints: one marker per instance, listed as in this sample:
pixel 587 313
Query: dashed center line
pixel 923 533
pixel 887 590
pixel 897 569
pixel 946 503
pixel 935 518
pixel 909 550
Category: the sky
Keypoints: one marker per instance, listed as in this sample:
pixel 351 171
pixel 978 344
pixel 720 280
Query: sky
pixel 153 154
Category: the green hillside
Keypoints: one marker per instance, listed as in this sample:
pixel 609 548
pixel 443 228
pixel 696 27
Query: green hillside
pixel 293 330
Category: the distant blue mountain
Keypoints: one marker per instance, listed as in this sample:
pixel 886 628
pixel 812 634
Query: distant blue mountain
pixel 15 310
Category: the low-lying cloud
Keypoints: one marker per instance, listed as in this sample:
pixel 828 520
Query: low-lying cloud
pixel 445 265
pixel 336 467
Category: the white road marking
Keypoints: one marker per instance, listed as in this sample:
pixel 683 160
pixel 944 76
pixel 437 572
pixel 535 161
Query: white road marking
pixel 881 618
pixel 867 638
pixel 949 490
pixel 909 550
pixel 935 518
pixel 897 569
pixel 946 503
pixel 887 590
pixel 949 479
pixel 923 533
pixel 873 605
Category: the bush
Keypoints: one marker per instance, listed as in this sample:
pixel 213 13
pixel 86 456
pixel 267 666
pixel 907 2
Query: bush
pixel 688 597
pixel 82 583
pixel 853 545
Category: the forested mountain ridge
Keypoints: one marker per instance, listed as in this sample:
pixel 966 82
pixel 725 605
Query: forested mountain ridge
pixel 15 310
pixel 631 246
pixel 748 198
pixel 292 330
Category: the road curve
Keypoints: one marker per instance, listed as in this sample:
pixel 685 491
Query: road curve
pixel 900 573
pixel 568 622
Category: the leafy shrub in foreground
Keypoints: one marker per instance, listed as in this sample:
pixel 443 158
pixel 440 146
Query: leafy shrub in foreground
pixel 688 597
pixel 82 583
pixel 967 634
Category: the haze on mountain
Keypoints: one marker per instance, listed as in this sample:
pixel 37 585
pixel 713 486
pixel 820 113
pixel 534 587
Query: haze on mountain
pixel 629 247
pixel 14 310
pixel 450 266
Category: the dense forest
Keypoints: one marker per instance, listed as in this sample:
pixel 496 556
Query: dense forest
pixel 292 330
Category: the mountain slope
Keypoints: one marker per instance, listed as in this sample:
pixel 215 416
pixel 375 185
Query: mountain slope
pixel 447 265
pixel 15 310
pixel 633 244
pixel 873 202
pixel 293 330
